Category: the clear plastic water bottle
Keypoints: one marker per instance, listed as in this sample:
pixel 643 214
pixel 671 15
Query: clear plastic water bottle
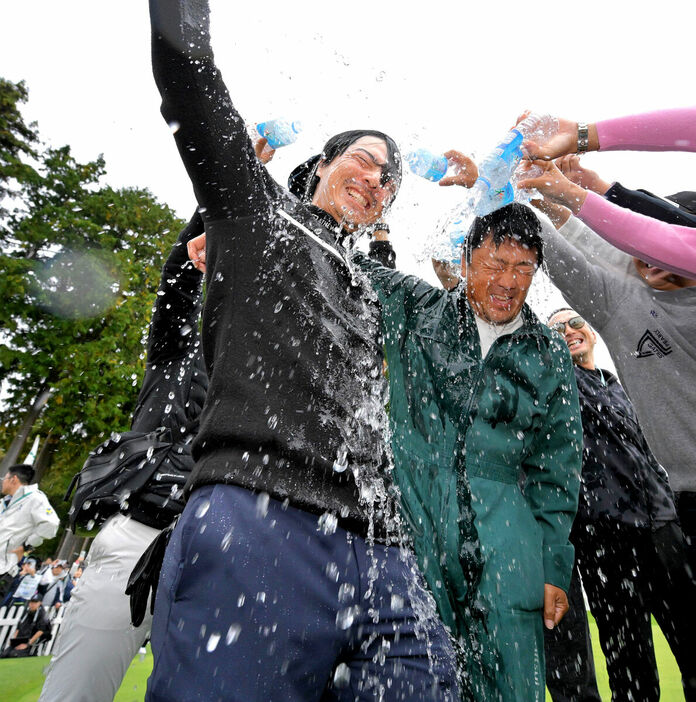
pixel 427 164
pixel 279 132
pixel 538 128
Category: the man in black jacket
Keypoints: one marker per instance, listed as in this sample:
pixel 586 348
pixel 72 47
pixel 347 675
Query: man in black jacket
pixel 97 643
pixel 32 628
pixel 281 581
pixel 629 547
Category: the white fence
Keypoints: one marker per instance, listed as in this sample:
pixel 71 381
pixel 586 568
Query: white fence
pixel 10 616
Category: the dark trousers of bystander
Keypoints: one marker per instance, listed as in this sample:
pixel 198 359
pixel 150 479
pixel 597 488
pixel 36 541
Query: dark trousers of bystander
pixel 686 511
pixel 570 671
pixel 630 574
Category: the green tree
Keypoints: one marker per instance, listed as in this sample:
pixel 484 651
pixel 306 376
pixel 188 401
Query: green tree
pixel 79 268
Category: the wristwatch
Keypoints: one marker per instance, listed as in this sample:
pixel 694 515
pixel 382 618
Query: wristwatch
pixel 583 137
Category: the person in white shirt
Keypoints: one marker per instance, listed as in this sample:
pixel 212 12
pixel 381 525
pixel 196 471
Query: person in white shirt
pixel 26 517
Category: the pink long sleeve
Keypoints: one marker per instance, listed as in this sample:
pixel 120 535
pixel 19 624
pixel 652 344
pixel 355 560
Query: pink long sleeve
pixel 667 246
pixel 664 130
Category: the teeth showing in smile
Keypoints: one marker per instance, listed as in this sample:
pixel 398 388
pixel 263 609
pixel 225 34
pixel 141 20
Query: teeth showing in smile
pixel 574 342
pixel 358 197
pixel 502 299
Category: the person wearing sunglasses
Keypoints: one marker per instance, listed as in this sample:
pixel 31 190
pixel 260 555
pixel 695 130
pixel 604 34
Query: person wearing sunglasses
pixel 629 548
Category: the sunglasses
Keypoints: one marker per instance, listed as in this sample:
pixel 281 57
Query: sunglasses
pixel 574 323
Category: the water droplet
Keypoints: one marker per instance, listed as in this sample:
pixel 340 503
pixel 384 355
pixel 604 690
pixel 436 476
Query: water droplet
pixel 332 572
pixel 233 633
pixel 341 462
pixel 397 603
pixel 328 523
pixel 341 676
pixel 261 597
pixel 346 617
pixel 272 421
pixel 212 642
pixel 174 126
pixel 346 592
pixel 202 509
pixel 262 505
pixel 380 77
pixel 278 307
pixel 167 409
pixel 226 541
pixel 520 435
pixel 240 600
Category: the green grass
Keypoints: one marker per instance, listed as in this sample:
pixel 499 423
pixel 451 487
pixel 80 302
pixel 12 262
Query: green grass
pixel 21 679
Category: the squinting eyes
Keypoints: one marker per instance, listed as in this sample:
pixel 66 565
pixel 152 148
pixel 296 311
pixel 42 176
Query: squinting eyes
pixel 523 269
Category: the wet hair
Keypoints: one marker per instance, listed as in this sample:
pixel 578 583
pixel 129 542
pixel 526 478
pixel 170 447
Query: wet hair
pixel 303 181
pixel 23 471
pixel 560 309
pixel 514 221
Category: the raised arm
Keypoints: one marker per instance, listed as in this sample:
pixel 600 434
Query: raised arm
pixel 668 246
pixel 650 205
pixel 661 130
pixel 408 292
pixel 592 275
pixel 174 323
pixel 210 135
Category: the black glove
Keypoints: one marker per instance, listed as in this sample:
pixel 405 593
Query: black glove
pixel 145 575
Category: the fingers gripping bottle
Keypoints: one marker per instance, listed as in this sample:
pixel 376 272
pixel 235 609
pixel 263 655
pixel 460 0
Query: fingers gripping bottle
pixel 493 188
pixel 427 164
pixel 279 132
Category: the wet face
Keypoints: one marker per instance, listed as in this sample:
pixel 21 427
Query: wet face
pixel 580 341
pixel 660 279
pixel 498 279
pixel 350 188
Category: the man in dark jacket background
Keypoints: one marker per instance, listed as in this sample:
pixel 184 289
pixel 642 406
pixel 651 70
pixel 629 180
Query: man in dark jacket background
pixel 629 548
pixel 97 642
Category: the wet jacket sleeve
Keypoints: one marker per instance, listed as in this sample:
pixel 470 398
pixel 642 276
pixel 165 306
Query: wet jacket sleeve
pixel 647 204
pixel 383 252
pixel 553 469
pixel 592 275
pixel 174 323
pixel 408 292
pixel 210 135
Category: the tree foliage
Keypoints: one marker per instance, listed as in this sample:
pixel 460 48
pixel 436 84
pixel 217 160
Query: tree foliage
pixel 79 268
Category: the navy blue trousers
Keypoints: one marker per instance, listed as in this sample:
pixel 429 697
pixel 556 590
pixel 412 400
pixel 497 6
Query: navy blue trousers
pixel 257 602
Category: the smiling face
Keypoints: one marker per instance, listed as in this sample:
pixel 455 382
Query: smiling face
pixel 659 279
pixel 498 279
pixel 581 342
pixel 350 187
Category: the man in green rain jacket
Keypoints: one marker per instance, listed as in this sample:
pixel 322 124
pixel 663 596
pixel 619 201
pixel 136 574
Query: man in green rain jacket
pixel 480 388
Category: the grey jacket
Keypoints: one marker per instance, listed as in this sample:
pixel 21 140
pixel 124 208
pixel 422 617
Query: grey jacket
pixel 650 334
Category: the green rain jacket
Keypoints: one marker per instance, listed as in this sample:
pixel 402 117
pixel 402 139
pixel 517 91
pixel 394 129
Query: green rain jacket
pixel 510 422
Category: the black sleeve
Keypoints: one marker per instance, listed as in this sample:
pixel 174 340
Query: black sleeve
pixel 210 135
pixel 645 203
pixel 174 323
pixel 383 252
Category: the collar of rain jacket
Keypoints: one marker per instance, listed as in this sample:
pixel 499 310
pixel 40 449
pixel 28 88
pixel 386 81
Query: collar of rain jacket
pixel 531 326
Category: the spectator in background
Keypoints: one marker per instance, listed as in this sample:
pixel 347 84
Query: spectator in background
pixel 33 627
pixel 647 318
pixel 54 595
pixel 26 584
pixel 26 517
pixel 629 548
